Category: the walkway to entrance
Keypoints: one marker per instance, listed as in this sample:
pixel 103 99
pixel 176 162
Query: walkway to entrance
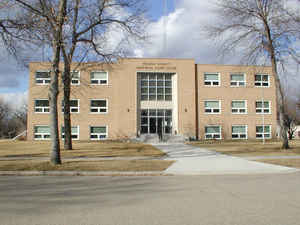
pixel 192 160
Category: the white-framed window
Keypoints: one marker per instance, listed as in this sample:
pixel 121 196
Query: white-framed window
pixel 237 80
pixel 75 78
pixel 213 132
pixel 74 106
pixel 262 80
pixel 263 107
pixel 263 131
pixel 156 86
pixel 212 106
pixel 42 77
pixel 238 107
pixel 41 106
pixel 41 132
pixel 211 79
pixel 74 132
pixel 99 106
pixel 99 77
pixel 239 132
pixel 98 132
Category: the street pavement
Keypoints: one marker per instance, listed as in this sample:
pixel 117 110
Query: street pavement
pixel 191 160
pixel 264 199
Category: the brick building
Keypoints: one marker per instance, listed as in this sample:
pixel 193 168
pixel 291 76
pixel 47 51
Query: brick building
pixel 151 95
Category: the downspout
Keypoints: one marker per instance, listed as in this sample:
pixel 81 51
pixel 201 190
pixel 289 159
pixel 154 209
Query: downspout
pixel 196 102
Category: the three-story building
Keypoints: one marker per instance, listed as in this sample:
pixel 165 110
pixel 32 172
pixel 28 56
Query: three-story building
pixel 148 96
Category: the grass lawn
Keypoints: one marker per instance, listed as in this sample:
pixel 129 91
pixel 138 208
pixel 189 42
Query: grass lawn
pixel 80 148
pixel 250 148
pixel 283 162
pixel 103 165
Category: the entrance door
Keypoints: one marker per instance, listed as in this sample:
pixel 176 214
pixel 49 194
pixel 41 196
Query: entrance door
pixel 160 126
pixel 155 121
pixel 152 125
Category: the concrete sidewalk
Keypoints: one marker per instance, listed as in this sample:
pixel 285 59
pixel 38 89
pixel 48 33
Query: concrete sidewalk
pixel 192 160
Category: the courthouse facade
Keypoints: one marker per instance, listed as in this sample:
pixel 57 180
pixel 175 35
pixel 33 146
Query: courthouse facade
pixel 175 97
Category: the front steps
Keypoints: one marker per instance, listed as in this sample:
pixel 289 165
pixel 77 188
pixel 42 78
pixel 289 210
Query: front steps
pixel 154 139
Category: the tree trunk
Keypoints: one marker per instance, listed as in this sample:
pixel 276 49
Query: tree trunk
pixel 53 90
pixel 66 78
pixel 53 93
pixel 279 92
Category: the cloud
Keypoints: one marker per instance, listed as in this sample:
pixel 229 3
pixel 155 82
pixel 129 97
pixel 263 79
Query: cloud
pixel 185 39
pixel 15 100
pixel 184 36
pixel 12 74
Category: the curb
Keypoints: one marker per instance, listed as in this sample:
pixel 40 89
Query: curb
pixel 82 173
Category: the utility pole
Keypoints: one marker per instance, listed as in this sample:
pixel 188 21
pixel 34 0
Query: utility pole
pixel 165 21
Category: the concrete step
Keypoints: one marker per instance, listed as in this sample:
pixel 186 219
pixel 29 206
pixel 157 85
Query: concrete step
pixel 154 139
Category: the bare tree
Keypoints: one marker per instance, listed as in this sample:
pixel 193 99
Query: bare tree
pixel 4 112
pixel 89 23
pixel 41 22
pixel 261 30
pixel 20 115
pixel 291 117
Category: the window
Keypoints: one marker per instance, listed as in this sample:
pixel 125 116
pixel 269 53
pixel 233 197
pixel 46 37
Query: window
pixel 75 78
pixel 42 77
pixel 211 79
pixel 41 132
pixel 263 132
pixel 98 133
pixel 100 77
pixel 239 132
pixel 262 107
pixel 262 80
pixel 237 80
pixel 212 132
pixel 156 86
pixel 99 106
pixel 212 106
pixel 41 106
pixel 74 106
pixel 74 132
pixel 238 107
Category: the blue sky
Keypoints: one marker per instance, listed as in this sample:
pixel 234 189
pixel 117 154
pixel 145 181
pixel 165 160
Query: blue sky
pixel 14 77
pixel 185 19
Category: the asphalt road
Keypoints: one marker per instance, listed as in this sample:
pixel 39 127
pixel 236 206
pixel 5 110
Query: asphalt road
pixel 175 200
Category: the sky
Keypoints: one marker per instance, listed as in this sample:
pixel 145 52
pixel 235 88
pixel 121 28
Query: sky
pixel 185 18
